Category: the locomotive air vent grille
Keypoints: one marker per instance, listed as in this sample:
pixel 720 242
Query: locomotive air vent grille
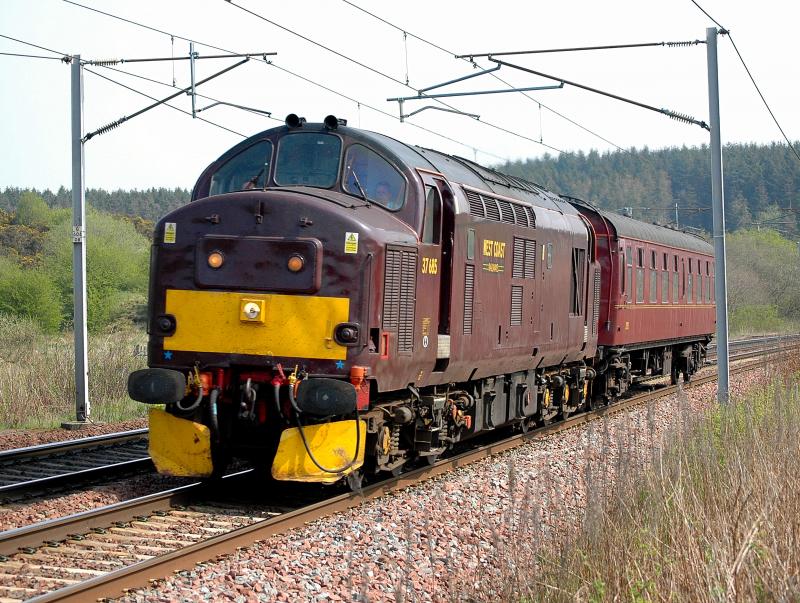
pixel 475 204
pixel 506 213
pixel 469 292
pixel 499 210
pixel 531 217
pixel 492 210
pixel 391 290
pixel 524 261
pixel 530 258
pixel 408 292
pixel 596 310
pixel 518 266
pixel 516 305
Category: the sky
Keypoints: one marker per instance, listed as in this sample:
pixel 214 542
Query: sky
pixel 165 147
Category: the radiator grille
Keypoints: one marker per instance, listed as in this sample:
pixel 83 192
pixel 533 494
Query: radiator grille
pixel 516 305
pixel 399 293
pixel 469 292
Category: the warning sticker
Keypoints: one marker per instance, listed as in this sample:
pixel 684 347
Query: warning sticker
pixel 170 232
pixel 351 242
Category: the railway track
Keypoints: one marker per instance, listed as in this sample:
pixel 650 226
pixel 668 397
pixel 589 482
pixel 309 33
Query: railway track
pixel 24 471
pixel 101 553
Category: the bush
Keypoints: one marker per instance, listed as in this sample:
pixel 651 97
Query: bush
pixel 31 294
pixel 32 211
pixel 116 265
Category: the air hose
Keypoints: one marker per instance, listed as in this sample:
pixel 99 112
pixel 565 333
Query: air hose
pixel 305 442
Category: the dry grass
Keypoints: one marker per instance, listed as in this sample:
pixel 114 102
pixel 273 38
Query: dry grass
pixel 37 385
pixel 713 516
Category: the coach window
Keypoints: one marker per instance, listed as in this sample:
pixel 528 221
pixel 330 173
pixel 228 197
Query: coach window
pixel 629 281
pixel 370 176
pixel 308 159
pixel 245 171
pixel 689 283
pixel 640 276
pixel 700 284
pixel 653 278
pixel 675 285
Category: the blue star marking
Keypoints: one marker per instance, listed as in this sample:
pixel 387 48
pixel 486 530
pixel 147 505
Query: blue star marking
pixel 167 355
pixel 339 364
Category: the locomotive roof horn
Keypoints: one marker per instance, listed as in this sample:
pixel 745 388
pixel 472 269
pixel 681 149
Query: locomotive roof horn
pixel 331 123
pixel 293 121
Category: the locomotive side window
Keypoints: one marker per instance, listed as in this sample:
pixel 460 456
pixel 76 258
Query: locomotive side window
pixel 370 176
pixel 308 159
pixel 432 222
pixel 245 171
pixel 471 244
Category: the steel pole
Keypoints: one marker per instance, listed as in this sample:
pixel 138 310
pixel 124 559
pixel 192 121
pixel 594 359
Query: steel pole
pixel 82 407
pixel 718 206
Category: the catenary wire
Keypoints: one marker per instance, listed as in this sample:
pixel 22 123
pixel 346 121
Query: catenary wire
pixel 380 73
pixel 750 75
pixel 63 54
pixel 269 63
pixel 32 56
pixel 494 75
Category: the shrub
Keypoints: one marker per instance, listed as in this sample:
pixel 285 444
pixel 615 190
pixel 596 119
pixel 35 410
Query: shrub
pixel 117 263
pixel 30 293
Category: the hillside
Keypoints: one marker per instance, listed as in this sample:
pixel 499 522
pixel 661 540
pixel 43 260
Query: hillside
pixel 762 183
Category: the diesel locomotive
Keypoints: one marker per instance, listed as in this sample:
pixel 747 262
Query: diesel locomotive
pixel 334 303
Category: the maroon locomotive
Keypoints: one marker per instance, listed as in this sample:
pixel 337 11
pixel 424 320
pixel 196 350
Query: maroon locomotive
pixel 336 303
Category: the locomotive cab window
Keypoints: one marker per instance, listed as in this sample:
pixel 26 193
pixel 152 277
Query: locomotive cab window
pixel 370 176
pixel 308 159
pixel 245 171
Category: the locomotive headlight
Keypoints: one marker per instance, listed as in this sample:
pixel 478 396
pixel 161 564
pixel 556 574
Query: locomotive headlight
pixel 216 259
pixel 295 263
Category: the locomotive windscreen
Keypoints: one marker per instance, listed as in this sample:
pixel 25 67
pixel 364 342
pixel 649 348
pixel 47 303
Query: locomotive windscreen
pixel 308 159
pixel 247 170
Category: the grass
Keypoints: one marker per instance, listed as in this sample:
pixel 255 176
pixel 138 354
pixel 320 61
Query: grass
pixel 712 516
pixel 37 384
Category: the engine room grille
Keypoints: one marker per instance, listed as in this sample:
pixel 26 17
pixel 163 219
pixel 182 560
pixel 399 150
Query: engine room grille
pixel 516 305
pixel 493 208
pixel 399 296
pixel 469 292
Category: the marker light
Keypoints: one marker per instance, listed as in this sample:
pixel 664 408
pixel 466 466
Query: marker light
pixel 295 263
pixel 216 259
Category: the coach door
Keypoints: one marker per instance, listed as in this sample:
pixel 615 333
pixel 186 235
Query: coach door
pixel 435 270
